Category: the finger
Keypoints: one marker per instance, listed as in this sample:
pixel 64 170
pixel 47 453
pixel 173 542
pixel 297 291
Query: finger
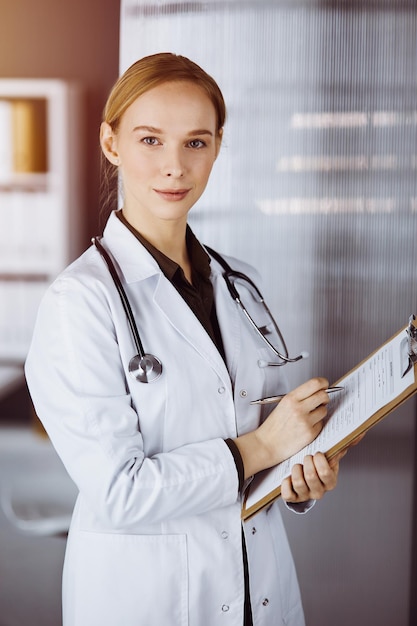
pixel 312 479
pixel 334 461
pixel 309 388
pixel 314 406
pixel 287 492
pixel 299 484
pixel 320 398
pixel 316 415
pixel 357 440
pixel 314 483
pixel 326 473
pixel 339 456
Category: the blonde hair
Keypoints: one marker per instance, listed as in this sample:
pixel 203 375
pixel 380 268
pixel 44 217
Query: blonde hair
pixel 155 70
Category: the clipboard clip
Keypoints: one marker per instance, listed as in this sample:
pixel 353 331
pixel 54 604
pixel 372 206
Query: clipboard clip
pixel 410 345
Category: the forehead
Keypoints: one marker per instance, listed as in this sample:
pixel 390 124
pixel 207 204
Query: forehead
pixel 172 102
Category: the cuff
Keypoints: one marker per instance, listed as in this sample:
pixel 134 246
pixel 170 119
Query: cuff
pixel 238 461
pixel 300 507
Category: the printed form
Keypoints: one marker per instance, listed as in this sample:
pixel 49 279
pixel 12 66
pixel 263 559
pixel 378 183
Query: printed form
pixel 375 383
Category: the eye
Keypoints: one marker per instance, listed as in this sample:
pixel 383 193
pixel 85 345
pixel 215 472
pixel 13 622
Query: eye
pixel 197 143
pixel 150 141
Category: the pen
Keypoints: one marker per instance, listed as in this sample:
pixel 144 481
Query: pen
pixel 277 399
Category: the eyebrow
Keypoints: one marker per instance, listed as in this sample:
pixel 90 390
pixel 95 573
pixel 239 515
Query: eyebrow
pixel 158 131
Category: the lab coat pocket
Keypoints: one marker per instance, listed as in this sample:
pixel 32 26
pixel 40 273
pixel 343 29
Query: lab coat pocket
pixel 132 580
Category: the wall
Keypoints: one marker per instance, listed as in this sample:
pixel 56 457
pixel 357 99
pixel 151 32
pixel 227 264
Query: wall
pixel 75 40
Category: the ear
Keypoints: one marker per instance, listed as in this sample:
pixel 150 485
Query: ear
pixel 108 142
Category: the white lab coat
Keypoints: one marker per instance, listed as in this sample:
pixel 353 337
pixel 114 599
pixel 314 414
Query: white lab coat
pixel 155 538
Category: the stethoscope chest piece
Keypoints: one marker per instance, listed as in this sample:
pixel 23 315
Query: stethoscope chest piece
pixel 146 368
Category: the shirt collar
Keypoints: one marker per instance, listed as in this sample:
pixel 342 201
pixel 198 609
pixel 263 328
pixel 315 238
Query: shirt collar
pixel 200 260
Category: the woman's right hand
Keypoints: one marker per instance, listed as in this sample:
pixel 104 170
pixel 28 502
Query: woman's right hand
pixel 293 424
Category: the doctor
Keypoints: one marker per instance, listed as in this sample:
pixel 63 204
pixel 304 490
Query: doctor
pixel 156 537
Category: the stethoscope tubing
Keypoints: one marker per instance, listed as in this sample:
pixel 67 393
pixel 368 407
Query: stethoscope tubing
pixel 146 367
pixel 122 294
pixel 228 271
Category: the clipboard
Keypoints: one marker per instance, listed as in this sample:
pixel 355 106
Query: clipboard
pixel 393 365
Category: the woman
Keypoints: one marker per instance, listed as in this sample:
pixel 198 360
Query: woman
pixel 156 537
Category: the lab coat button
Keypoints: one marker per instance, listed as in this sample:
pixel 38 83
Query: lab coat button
pixel 253 530
pixel 225 608
pixel 225 534
pixel 265 602
pixel 243 393
pixel 221 390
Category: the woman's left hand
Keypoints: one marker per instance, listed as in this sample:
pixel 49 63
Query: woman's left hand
pixel 317 475
pixel 311 480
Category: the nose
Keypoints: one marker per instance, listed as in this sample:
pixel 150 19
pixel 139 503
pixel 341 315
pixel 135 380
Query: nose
pixel 173 164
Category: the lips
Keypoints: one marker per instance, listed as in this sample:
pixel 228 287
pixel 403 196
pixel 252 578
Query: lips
pixel 172 195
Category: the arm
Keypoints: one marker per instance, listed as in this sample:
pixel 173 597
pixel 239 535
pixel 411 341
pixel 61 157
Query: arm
pixel 293 424
pixel 77 381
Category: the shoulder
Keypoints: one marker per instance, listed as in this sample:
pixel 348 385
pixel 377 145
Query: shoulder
pixel 87 269
pixel 84 284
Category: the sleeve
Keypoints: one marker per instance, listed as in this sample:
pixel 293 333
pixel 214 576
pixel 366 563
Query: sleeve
pixel 78 386
pixel 237 457
pixel 300 507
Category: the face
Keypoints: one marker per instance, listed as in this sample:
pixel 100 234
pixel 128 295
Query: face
pixel 165 148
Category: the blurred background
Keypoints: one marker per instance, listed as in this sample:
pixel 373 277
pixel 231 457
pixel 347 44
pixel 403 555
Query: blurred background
pixel 71 52
pixel 315 186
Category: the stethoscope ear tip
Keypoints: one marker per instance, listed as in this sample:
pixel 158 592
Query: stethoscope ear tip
pixel 305 355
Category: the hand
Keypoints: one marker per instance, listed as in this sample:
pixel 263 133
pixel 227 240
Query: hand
pixel 313 479
pixel 292 425
pixel 297 419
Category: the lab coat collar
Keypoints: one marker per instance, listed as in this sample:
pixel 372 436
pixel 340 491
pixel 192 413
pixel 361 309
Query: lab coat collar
pixel 133 259
pixel 137 264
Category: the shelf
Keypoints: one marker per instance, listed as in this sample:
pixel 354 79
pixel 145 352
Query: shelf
pixel 30 182
pixel 41 208
pixel 24 277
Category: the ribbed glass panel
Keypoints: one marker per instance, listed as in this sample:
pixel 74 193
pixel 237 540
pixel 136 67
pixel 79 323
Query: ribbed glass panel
pixel 316 183
pixel 316 187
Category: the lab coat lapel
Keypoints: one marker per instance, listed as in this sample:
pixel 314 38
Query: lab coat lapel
pixel 186 323
pixel 229 320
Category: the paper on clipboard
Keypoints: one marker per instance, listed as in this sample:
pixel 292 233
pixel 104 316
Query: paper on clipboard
pixel 372 390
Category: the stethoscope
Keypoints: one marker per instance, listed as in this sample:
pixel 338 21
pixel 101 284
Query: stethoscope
pixel 145 367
